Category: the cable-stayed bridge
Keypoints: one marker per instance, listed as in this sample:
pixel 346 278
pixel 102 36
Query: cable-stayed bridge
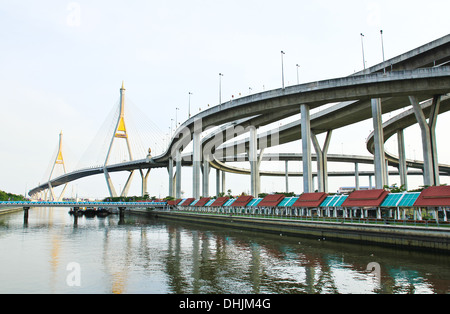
pixel 418 79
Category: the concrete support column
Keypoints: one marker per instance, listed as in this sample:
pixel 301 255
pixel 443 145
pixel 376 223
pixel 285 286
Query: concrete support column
pixel 217 182
pixel 178 178
pixel 258 175
pixel 223 181
pixel 196 164
pixel 121 214
pixel 357 186
pixel 144 181
pixel 430 159
pixel 287 175
pixel 379 158
pixel 25 215
pixel 111 189
pixel 170 171
pixel 387 172
pixel 306 149
pixel 322 167
pixel 402 169
pixel 206 170
pixel 52 193
pixel 253 159
pixel 126 188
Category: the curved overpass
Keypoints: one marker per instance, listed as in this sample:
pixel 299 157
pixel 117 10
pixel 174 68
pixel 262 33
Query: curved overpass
pixel 291 132
pixel 423 83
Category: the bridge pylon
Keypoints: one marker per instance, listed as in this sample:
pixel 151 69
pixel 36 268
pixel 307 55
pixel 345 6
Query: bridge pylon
pixel 59 161
pixel 120 133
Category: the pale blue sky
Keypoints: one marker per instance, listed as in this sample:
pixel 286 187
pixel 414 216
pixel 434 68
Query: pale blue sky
pixel 62 64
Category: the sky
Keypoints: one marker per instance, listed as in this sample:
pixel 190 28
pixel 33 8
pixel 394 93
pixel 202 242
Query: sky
pixel 62 64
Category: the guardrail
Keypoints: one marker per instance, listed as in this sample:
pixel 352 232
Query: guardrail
pixel 81 204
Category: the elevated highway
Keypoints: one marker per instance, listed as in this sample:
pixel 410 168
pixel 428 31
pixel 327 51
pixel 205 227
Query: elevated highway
pixel 421 73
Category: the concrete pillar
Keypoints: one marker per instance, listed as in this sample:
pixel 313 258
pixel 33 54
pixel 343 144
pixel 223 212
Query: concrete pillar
pixel 25 215
pixel 306 148
pixel 126 188
pixel 75 216
pixel 178 178
pixel 258 176
pixel 122 215
pixel 223 182
pixel 430 158
pixel 379 158
pixel 402 160
pixel 52 193
pixel 357 176
pixel 287 175
pixel 144 181
pixel 217 182
pixel 206 170
pixel 170 171
pixel 322 167
pixel 196 164
pixel 111 189
pixel 387 172
pixel 253 159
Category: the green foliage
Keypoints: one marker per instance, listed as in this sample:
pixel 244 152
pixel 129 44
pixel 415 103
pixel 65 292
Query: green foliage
pixel 395 189
pixel 129 199
pixel 290 194
pixel 10 197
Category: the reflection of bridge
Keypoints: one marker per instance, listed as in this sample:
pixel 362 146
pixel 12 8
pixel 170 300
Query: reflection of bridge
pixel 419 78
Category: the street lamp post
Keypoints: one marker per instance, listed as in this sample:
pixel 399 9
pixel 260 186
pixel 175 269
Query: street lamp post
pixel 362 44
pixel 220 88
pixel 382 49
pixel 282 68
pixel 176 117
pixel 189 108
pixel 298 81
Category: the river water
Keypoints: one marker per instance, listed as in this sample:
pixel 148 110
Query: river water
pixel 52 254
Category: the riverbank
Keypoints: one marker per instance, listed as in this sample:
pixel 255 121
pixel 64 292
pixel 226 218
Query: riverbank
pixel 10 210
pixel 415 237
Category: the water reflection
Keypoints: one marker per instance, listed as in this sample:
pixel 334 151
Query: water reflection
pixel 143 255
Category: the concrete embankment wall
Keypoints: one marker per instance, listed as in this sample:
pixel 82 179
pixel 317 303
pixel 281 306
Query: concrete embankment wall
pixel 430 238
pixel 9 210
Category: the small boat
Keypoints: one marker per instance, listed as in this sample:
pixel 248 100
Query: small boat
pixel 103 212
pixel 90 212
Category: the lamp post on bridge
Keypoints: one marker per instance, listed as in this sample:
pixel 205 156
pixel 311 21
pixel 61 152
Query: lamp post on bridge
pixel 189 108
pixel 282 68
pixel 220 88
pixel 362 44
pixel 382 49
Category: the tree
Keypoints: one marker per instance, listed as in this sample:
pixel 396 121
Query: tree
pixel 4 196
pixel 394 188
